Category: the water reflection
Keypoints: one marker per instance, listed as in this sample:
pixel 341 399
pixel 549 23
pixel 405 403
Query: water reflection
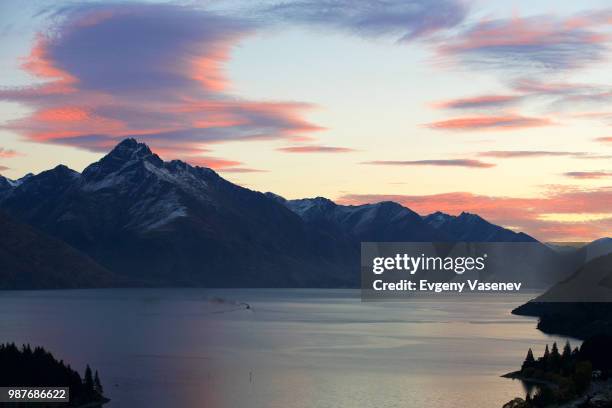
pixel 289 348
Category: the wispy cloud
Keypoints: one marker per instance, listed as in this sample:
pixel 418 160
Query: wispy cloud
pixel 315 149
pixel 520 154
pixel 477 102
pixel 241 170
pixel 604 139
pixel 212 162
pixel 402 19
pixel 585 175
pixel 151 71
pixel 4 168
pixel 536 42
pixel 442 163
pixel 7 153
pixel 503 122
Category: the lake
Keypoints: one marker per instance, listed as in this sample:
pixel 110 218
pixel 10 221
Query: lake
pixel 288 348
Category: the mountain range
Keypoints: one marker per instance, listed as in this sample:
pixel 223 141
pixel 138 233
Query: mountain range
pixel 166 223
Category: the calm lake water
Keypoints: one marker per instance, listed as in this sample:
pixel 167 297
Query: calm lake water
pixel 291 349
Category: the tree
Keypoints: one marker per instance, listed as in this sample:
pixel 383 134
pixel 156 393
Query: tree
pixel 529 360
pixel 555 358
pixel 98 384
pixel 567 352
pixel 555 350
pixel 545 357
pixel 89 382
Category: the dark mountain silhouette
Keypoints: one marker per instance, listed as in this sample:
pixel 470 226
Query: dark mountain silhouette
pixel 381 222
pixel 168 223
pixel 31 260
pixel 473 228
pixel 579 306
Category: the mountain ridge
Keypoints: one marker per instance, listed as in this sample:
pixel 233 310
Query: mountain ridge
pixel 169 223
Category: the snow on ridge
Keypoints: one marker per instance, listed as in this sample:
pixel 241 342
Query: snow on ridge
pixel 152 213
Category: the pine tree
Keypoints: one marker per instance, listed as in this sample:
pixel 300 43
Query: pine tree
pixel 567 352
pixel 554 359
pixel 555 350
pixel 529 360
pixel 546 354
pixel 98 384
pixel 89 383
pixel 545 359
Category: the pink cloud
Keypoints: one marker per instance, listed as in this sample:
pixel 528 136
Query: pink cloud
pixel 7 154
pixel 586 175
pixel 241 170
pixel 315 149
pixel 519 154
pixel 537 42
pixel 482 101
pixel 442 163
pixel 156 72
pixel 212 162
pixel 505 122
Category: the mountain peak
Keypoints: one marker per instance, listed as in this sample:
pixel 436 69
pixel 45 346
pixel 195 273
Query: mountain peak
pixel 126 153
pixel 129 149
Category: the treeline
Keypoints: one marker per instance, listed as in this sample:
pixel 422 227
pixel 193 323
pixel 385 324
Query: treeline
pixel 27 367
pixel 564 375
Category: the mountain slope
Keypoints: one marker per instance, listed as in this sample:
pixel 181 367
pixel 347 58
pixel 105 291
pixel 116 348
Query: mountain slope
pixel 579 306
pixel 381 222
pixel 472 228
pixel 31 260
pixel 168 223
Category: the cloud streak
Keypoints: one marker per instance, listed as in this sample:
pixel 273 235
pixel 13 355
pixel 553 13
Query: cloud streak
pixel 7 153
pixel 404 20
pixel 315 149
pixel 522 154
pixel 499 122
pixel 478 102
pixel 441 163
pixel 588 175
pixel 538 42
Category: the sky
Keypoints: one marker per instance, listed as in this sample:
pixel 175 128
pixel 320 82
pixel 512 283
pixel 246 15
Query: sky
pixel 500 108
